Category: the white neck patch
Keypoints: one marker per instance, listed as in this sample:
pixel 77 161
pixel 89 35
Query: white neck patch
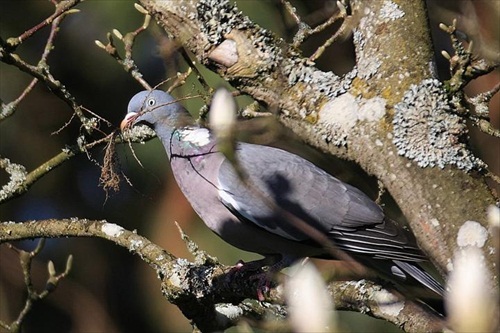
pixel 196 136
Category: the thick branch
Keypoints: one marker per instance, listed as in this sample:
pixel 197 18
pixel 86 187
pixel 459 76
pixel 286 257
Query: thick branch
pixel 202 290
pixel 409 316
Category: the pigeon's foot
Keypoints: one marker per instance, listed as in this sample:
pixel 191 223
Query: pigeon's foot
pixel 245 268
pixel 255 270
pixel 264 284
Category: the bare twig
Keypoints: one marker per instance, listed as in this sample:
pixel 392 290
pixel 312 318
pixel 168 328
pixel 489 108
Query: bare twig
pixel 463 66
pixel 21 181
pixel 485 126
pixel 200 256
pixel 342 14
pixel 62 8
pixel 199 76
pixel 481 102
pixel 180 80
pixel 42 74
pixel 304 30
pixel 292 11
pixel 33 296
pixel 9 109
pixel 128 42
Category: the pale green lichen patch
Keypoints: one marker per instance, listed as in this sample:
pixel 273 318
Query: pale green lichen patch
pixel 388 303
pixel 112 230
pixel 139 132
pixel 391 11
pixel 226 313
pixel 17 177
pixel 472 233
pixel 427 130
pixel 341 114
pixel 220 17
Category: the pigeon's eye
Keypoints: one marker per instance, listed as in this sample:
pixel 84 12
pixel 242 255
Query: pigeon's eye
pixel 151 102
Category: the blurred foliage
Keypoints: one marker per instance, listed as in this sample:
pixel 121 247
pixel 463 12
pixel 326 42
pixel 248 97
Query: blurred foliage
pixel 109 290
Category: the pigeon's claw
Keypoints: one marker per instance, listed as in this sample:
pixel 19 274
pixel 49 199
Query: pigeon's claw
pixel 265 280
pixel 254 270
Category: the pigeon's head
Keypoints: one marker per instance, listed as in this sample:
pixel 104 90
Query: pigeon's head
pixel 153 107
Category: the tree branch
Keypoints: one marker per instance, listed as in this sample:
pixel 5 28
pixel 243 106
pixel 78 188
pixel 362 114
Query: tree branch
pixel 380 303
pixel 202 290
pixel 21 181
pixel 26 259
pixel 41 71
pixel 61 9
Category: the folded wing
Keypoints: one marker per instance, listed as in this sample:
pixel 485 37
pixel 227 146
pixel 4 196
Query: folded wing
pixel 350 218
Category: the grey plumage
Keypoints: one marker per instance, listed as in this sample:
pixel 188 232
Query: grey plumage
pixel 243 218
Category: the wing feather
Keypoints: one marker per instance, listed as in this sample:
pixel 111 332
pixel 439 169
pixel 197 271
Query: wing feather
pixel 352 220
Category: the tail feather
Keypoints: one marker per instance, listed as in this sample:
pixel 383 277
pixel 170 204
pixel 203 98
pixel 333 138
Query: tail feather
pixel 421 276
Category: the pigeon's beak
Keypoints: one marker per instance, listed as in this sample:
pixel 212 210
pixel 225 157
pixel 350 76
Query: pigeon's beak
pixel 123 124
pixel 128 120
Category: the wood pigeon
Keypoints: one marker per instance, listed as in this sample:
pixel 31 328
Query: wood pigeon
pixel 245 219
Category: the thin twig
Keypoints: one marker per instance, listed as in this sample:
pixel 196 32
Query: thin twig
pixel 485 126
pixel 342 14
pixel 10 108
pixel 26 259
pixel 180 80
pixel 481 101
pixel 463 66
pixel 191 63
pixel 292 11
pixel 61 8
pixel 304 30
pixel 43 75
pixel 25 182
pixel 128 40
